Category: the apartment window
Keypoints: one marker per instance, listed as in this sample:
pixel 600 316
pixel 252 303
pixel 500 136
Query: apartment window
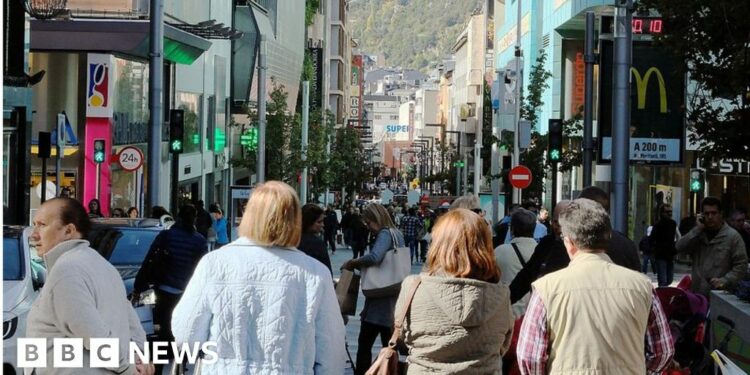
pixel 378 117
pixel 394 117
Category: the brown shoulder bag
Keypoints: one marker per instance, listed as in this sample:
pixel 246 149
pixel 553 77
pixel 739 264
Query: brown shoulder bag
pixel 387 362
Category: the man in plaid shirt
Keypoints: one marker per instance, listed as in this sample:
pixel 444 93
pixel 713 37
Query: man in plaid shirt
pixel 411 225
pixel 592 316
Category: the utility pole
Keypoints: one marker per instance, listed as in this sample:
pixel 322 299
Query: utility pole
pixel 305 121
pixel 623 48
pixel 519 84
pixel 480 106
pixel 155 90
pixel 262 72
pixel 588 103
pixel 60 150
pixel 495 162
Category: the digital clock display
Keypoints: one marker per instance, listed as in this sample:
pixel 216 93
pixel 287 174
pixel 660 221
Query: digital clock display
pixel 647 25
pixel 641 25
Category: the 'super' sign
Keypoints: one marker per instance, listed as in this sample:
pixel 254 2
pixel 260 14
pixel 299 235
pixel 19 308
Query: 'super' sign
pixel 396 128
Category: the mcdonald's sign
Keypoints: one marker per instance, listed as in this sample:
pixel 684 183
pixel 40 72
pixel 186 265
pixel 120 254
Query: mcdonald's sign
pixel 656 105
pixel 641 85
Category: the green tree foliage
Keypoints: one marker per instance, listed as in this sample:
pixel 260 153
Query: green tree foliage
pixel 311 6
pixel 711 39
pixel 348 163
pixel 411 33
pixel 533 157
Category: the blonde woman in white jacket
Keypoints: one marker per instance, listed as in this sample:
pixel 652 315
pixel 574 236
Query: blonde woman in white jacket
pixel 269 307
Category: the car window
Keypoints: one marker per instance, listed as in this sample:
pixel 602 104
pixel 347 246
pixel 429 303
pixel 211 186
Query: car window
pixel 12 259
pixel 122 246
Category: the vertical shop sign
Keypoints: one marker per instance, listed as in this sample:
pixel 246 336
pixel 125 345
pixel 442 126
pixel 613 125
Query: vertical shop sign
pixel 99 85
pixel 355 108
pixel 316 86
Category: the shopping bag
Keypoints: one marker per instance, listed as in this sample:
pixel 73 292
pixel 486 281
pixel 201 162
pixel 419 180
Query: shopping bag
pixel 347 291
pixel 726 366
pixel 384 280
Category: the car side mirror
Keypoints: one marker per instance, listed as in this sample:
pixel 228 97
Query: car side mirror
pixel 38 274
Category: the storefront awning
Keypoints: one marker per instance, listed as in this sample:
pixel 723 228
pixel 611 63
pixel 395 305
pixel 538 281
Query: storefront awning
pixel 129 37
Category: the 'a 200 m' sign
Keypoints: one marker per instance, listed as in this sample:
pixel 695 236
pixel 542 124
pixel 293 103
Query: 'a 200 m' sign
pixel 656 114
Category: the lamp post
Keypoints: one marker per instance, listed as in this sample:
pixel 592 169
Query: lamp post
pixel 458 169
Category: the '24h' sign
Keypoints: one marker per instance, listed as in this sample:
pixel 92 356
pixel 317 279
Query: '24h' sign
pixel 656 102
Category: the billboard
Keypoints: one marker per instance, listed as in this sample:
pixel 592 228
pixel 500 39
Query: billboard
pixel 657 97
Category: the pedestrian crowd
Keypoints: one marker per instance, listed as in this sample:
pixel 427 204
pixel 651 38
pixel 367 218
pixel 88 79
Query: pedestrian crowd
pixel 535 294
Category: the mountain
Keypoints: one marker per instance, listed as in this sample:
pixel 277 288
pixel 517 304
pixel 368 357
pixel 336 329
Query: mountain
pixel 410 33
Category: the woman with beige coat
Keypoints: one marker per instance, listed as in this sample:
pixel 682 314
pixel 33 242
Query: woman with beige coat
pixel 460 320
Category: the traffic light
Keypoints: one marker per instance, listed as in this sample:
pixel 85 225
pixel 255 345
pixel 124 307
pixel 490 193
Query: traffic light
pixel 176 131
pixel 459 164
pixel 554 149
pixel 99 153
pixel 249 139
pixel 696 180
pixel 45 145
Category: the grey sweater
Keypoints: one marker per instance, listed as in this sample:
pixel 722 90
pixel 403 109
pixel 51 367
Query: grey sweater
pixel 83 297
pixel 456 326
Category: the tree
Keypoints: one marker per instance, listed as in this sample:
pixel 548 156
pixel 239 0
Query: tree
pixel 348 161
pixel 533 157
pixel 711 40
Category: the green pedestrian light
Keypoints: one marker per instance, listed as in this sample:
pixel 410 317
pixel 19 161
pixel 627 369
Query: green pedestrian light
pixel 696 180
pixel 176 146
pixel 99 153
pixel 554 155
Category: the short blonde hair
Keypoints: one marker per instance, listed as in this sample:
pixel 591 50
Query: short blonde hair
pixel 469 202
pixel 462 247
pixel 377 214
pixel 273 216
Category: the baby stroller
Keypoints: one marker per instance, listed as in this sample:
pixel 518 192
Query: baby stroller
pixel 686 312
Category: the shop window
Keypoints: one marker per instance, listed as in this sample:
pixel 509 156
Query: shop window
pixel 191 104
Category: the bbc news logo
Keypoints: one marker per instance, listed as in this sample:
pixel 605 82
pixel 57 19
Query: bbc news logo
pixel 105 353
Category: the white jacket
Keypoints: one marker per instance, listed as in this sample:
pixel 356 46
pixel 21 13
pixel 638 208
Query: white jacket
pixel 269 310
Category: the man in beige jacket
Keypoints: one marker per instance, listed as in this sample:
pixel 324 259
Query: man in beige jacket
pixel 592 316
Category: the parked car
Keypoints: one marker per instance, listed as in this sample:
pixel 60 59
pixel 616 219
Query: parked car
pixel 23 277
pixel 124 242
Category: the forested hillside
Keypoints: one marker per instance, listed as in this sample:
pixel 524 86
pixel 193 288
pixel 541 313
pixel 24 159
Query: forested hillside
pixel 410 33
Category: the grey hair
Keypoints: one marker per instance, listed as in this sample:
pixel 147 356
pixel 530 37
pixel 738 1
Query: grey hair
pixel 586 224
pixel 469 202
pixel 522 223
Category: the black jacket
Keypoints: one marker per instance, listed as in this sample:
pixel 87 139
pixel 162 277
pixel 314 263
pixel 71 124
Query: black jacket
pixel 313 246
pixel 662 239
pixel 203 222
pixel 550 255
pixel 172 258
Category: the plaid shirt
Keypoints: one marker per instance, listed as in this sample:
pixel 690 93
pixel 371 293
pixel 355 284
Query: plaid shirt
pixel 410 225
pixel 533 342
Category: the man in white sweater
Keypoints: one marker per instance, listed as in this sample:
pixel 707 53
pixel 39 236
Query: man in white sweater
pixel 83 296
pixel 512 257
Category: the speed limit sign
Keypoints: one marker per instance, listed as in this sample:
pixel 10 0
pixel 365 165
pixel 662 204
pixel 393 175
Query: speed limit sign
pixel 130 158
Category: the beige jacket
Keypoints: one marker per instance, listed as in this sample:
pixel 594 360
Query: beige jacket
pixel 456 326
pixel 597 314
pixel 723 257
pixel 83 297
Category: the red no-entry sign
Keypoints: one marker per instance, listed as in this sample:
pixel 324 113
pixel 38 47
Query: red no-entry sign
pixel 520 177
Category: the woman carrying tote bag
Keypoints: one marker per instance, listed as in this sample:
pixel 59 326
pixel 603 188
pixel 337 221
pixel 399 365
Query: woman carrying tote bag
pixel 377 315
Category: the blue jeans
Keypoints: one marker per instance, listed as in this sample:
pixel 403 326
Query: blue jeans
pixel 665 271
pixel 411 241
pixel 648 258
